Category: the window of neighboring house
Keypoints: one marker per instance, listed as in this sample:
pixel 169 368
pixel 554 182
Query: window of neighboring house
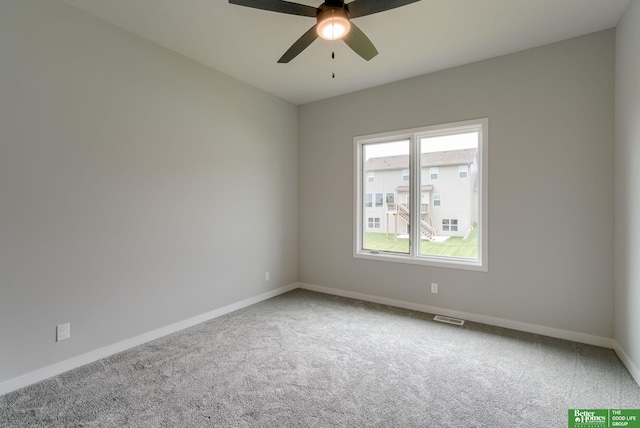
pixel 391 201
pixel 371 176
pixel 449 225
pixel 463 171
pixel 462 146
pixel 433 172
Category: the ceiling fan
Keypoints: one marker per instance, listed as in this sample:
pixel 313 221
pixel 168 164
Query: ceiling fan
pixel 333 21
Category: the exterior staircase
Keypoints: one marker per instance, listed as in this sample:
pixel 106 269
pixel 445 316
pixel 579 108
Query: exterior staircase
pixel 426 230
pixel 466 235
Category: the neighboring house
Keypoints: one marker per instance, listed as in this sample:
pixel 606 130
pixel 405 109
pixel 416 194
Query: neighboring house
pixel 448 194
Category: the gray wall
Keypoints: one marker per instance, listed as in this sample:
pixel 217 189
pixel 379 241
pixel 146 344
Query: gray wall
pixel 137 188
pixel 627 185
pixel 551 126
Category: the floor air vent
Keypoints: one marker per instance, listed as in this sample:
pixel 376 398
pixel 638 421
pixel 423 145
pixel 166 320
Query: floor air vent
pixel 448 320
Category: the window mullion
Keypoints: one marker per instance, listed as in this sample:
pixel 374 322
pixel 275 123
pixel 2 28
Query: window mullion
pixel 414 190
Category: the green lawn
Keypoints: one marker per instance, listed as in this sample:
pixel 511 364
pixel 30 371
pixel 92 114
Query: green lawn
pixel 454 246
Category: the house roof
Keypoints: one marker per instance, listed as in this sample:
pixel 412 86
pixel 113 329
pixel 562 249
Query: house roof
pixel 450 157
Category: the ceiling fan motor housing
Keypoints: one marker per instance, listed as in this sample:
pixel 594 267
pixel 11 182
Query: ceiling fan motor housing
pixel 333 23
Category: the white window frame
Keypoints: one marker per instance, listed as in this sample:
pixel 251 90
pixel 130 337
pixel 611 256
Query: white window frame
pixel 371 177
pixel 434 172
pixel 437 197
pixel 387 203
pixel 450 224
pixel 403 174
pixel 375 199
pixel 463 169
pixel 414 135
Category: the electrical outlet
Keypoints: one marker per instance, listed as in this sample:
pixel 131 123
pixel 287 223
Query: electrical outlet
pixel 434 287
pixel 63 332
pixel 266 276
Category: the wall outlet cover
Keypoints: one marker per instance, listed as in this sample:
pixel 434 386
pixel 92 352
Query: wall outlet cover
pixel 63 331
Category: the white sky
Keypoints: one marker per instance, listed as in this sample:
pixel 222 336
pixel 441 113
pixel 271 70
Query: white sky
pixel 431 144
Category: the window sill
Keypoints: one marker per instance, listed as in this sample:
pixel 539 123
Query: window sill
pixel 434 261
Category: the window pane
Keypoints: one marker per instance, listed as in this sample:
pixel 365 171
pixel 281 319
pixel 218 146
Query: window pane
pixel 388 228
pixel 433 172
pixel 390 200
pixel 368 200
pixel 449 229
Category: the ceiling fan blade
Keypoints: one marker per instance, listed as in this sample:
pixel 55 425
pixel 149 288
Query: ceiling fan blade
pixel 279 6
pixel 358 8
pixel 360 43
pixel 300 45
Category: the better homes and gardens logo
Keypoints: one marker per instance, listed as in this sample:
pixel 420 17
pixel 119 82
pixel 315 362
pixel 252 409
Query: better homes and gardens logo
pixel 602 418
pixel 588 418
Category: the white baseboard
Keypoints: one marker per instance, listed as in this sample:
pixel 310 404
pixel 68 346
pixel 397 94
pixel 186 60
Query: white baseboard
pixel 66 365
pixel 483 319
pixel 633 369
pixel 63 366
pixel 604 342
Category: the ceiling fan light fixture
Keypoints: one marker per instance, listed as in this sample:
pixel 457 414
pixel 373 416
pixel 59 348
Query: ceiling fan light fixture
pixel 333 24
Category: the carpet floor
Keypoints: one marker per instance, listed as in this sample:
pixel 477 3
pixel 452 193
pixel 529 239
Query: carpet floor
pixel 306 359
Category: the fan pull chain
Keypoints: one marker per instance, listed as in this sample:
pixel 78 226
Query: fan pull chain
pixel 333 47
pixel 333 57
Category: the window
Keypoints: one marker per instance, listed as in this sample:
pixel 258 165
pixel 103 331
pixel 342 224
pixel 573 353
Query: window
pixel 433 172
pixel 449 225
pixel 391 197
pixel 410 161
pixel 371 176
pixel 389 159
pixel 368 202
pixel 391 201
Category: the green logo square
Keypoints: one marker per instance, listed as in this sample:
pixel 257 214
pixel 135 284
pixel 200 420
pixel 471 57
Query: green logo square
pixel 600 418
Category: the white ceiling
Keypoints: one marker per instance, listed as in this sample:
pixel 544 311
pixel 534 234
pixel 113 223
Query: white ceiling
pixel 416 39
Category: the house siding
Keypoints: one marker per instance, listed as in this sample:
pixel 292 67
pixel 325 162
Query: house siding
pixel 458 200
